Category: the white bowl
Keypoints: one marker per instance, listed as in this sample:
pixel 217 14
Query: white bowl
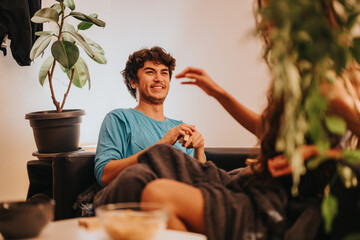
pixel 132 221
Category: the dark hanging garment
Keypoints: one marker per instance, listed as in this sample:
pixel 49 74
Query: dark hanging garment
pixel 15 21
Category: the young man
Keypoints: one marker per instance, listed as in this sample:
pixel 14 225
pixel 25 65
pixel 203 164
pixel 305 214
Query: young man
pixel 125 133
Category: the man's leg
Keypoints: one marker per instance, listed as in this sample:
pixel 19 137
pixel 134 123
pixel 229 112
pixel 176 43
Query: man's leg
pixel 127 186
pixel 185 203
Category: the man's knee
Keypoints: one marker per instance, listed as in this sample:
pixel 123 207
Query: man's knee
pixel 127 186
pixel 155 191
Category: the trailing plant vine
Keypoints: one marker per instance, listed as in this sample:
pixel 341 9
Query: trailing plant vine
pixel 312 41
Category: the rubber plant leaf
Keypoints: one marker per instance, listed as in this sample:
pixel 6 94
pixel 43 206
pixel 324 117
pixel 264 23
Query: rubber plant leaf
pixel 84 25
pixel 45 15
pixel 39 46
pixel 41 33
pixel 86 18
pixel 57 7
pixel 99 58
pixel 93 44
pixel 82 43
pixel 44 69
pixel 65 35
pixel 70 4
pixel 81 73
pixel 66 53
pixel 99 55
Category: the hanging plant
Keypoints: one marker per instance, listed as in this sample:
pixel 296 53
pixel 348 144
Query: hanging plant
pixel 311 43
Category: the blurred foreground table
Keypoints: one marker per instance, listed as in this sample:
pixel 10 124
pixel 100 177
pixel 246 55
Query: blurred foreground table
pixel 70 229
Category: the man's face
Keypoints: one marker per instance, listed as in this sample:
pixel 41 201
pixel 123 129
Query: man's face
pixel 154 83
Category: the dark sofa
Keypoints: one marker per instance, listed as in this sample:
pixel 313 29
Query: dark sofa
pixel 74 172
pixel 68 174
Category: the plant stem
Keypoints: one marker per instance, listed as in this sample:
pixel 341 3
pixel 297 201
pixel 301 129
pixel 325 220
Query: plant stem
pixel 68 89
pixel 50 75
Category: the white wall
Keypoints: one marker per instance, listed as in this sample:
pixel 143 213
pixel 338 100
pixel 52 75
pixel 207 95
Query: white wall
pixel 211 34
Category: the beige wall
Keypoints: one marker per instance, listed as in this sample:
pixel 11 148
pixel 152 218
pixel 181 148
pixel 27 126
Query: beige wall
pixel 211 34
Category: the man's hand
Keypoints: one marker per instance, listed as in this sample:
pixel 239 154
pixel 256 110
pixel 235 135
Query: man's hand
pixel 190 138
pixel 176 133
pixel 194 140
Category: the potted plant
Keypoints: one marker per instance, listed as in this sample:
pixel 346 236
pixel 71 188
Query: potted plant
pixel 58 130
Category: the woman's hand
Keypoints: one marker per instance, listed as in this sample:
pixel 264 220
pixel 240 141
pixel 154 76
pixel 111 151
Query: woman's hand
pixel 201 79
pixel 279 165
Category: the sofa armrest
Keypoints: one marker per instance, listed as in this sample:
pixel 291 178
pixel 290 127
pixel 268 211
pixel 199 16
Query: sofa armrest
pixel 73 172
pixel 230 158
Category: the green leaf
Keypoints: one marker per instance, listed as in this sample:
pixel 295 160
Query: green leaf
pixel 99 58
pixel 41 33
pixel 78 16
pixel 81 73
pixel 45 15
pixel 93 44
pixel 45 67
pixel 66 53
pixel 70 4
pixel 65 35
pixel 352 156
pixel 39 46
pixel 313 163
pixel 57 7
pixel 84 25
pixel 329 209
pixel 82 43
pixel 86 18
pixel 99 55
pixel 335 124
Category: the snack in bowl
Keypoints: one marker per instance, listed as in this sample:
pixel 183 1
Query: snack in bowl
pixel 130 221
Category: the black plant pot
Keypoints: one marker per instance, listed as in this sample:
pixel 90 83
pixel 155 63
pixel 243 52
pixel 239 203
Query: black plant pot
pixel 56 132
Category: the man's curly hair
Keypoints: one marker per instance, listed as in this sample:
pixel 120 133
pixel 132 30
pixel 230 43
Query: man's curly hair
pixel 137 60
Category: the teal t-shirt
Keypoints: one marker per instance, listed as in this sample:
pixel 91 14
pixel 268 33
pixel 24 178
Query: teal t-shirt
pixel 125 132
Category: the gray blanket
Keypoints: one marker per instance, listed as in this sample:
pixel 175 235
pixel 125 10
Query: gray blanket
pixel 236 206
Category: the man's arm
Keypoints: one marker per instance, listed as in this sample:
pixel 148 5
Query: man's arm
pixel 243 115
pixel 114 167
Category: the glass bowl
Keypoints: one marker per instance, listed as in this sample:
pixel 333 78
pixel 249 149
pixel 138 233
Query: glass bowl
pixel 132 221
